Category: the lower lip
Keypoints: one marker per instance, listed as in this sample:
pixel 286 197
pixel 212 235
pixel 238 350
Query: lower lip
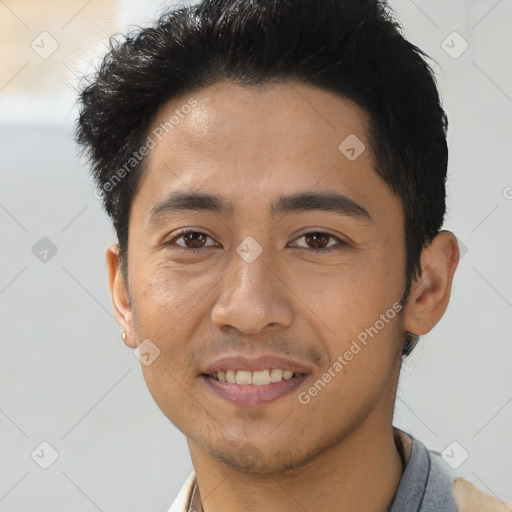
pixel 250 395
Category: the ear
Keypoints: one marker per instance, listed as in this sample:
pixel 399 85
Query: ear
pixel 120 296
pixel 430 293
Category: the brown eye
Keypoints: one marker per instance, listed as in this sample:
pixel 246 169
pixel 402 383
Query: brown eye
pixel 191 241
pixel 194 240
pixel 317 240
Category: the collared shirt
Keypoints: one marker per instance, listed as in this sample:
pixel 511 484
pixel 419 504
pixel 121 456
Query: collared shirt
pixel 425 486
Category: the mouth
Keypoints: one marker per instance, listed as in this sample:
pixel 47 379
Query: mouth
pixel 254 382
pixel 256 378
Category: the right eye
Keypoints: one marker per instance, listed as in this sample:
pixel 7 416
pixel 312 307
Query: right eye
pixel 193 241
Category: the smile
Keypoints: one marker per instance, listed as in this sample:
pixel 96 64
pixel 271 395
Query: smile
pixel 257 378
pixel 254 381
pixel 253 389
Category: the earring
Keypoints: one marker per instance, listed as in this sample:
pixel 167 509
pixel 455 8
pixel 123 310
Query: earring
pixel 410 342
pixel 124 337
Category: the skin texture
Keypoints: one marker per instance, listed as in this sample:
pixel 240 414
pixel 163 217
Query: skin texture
pixel 251 145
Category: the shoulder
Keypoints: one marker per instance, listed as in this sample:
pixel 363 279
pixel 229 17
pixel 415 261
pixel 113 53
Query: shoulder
pixel 459 494
pixel 469 498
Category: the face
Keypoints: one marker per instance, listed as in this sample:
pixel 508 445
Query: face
pixel 257 245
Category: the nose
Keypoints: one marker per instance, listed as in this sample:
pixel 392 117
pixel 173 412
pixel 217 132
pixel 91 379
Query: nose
pixel 252 296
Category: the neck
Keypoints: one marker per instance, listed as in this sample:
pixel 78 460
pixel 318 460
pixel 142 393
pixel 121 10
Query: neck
pixel 360 472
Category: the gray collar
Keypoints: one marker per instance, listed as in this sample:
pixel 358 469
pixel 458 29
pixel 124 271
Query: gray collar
pixel 425 485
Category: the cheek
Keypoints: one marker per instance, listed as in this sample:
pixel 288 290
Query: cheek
pixel 350 297
pixel 165 296
pixel 169 306
pixel 362 369
pixel 357 314
pixel 169 383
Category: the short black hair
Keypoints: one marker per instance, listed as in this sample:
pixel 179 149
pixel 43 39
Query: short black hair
pixel 354 48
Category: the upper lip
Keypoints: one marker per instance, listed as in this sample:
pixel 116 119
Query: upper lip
pixel 262 362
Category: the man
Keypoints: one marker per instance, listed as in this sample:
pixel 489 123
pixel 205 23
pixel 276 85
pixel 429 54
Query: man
pixel 275 173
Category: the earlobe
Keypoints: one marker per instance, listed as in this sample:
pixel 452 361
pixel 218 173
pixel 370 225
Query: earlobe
pixel 430 293
pixel 120 297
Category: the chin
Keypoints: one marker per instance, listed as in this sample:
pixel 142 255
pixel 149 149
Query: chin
pixel 250 459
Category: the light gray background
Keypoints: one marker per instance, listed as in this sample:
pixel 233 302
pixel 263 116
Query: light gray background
pixel 67 378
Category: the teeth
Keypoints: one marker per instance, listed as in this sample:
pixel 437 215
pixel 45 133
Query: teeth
pixel 257 378
pixel 276 375
pixel 261 377
pixel 243 377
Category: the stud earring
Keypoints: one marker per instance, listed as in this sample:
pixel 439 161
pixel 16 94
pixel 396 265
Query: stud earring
pixel 124 337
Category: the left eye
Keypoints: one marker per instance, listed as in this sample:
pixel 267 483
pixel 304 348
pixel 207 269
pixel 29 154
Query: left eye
pixel 319 240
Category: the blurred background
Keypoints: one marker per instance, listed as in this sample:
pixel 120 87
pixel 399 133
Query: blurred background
pixel 78 427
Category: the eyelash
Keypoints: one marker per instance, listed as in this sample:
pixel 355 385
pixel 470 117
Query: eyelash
pixel 301 250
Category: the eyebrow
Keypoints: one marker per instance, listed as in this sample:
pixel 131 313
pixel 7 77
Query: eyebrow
pixel 332 202
pixel 319 201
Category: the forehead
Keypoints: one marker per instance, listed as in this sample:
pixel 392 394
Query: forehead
pixel 250 141
pixel 238 117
